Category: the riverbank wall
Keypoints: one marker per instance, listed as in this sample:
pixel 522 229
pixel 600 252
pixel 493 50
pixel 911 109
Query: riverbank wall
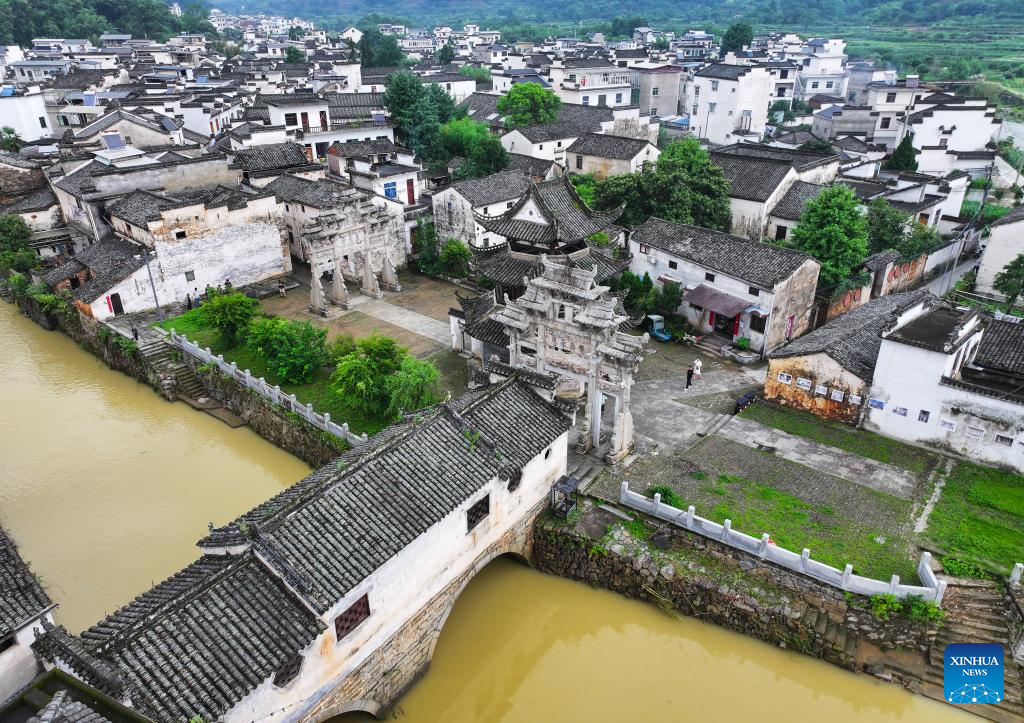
pixel 688 574
pixel 285 430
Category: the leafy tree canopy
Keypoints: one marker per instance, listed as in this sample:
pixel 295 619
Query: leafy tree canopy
pixel 295 350
pixel 684 186
pixel 1010 281
pixel 528 104
pixel 819 145
pixel 904 157
pixel 294 55
pixel 833 230
pixel 446 54
pixel 739 35
pixel 229 314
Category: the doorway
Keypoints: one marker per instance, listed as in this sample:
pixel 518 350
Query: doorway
pixel 115 304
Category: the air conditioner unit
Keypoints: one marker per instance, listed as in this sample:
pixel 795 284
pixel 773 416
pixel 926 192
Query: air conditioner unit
pixel 653 260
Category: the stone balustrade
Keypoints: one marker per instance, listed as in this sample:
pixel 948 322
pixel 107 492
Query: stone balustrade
pixel 933 589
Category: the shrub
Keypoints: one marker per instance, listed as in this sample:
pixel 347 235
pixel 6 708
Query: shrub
pixel 454 259
pixel 361 378
pixel 668 496
pixel 913 607
pixel 295 350
pixel 416 385
pixel 230 315
pixel 959 567
pixel 126 345
pixel 885 606
pixel 341 346
pixel 743 343
pixel 19 285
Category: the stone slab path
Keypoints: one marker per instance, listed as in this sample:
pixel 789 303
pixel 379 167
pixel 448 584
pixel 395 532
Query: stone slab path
pixel 407 319
pixel 859 470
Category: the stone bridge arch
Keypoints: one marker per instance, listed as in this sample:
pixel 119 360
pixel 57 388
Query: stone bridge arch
pixel 377 684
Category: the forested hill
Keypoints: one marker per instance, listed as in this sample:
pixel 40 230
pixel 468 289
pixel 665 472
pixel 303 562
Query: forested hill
pixel 22 20
pixel 792 13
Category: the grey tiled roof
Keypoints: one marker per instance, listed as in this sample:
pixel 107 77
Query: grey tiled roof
pixel 757 263
pixel 109 261
pixel 272 156
pixel 22 598
pixel 362 149
pixel 508 268
pixel 503 186
pixel 63 709
pixel 603 145
pixel 39 200
pixel 791 206
pixel 322 194
pixel 1002 347
pixel 853 339
pixel 723 71
pixel 532 167
pixel 200 641
pixel 17 160
pixel 752 179
pixel 334 529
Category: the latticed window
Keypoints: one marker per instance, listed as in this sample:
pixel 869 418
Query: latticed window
pixel 287 671
pixel 350 619
pixel 478 512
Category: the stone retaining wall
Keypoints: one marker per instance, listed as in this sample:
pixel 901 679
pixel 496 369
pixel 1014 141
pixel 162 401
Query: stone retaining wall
pixel 287 430
pixel 701 578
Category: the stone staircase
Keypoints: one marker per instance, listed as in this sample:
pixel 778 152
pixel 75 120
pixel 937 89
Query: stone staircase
pixel 976 612
pixel 176 378
pixel 716 423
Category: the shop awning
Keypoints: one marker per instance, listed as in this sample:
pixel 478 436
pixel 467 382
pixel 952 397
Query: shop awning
pixel 715 300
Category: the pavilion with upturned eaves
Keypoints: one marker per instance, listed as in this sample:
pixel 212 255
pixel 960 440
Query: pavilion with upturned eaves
pixel 549 219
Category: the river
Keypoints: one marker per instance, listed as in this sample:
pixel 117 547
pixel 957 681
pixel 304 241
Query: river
pixel 106 488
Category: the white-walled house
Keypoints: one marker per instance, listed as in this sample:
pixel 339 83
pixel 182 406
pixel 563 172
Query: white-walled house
pixel 732 287
pixel 603 155
pixel 600 83
pixel 1005 243
pixel 191 239
pixel 23 606
pixel 338 566
pixel 822 68
pixel 456 207
pixel 951 134
pixel 950 378
pixel 729 103
pixel 24 110
pixel 379 167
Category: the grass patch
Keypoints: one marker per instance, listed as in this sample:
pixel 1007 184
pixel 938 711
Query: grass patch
pixel 317 392
pixel 794 524
pixel 979 520
pixel 843 436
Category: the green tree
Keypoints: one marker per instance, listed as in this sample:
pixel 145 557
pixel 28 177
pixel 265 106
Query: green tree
pixel 454 259
pixel 487 157
pixel 528 104
pixel 459 138
pixel 886 226
pixel 738 36
pixel 9 140
pixel 414 386
pixel 904 157
pixel 294 55
pixel 446 54
pixel 417 110
pixel 379 51
pixel 818 145
pixel 917 240
pixel 296 33
pixel 15 254
pixel 294 350
pixel 781 106
pixel 668 299
pixel 684 186
pixel 1010 281
pixel 361 378
pixel 833 230
pixel 230 315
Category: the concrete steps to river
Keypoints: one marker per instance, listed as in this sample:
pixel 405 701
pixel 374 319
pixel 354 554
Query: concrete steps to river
pixel 976 612
pixel 167 362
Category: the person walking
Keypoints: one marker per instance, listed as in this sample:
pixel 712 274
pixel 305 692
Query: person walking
pixel 188 301
pixel 697 366
pixel 135 332
pixel 280 288
pixel 689 375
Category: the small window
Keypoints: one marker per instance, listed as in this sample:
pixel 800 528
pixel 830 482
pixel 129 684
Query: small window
pixel 974 432
pixel 1003 441
pixel 673 265
pixel 42 121
pixel 287 671
pixel 711 107
pixel 829 84
pixel 351 618
pixel 890 97
pixel 814 84
pixel 821 390
pixel 654 91
pixel 854 399
pixel 579 162
pixel 780 232
pixel 6 643
pixel 644 249
pixel 190 276
pixel 540 147
pixel 753 291
pixel 714 85
pixel 923 415
pixel 886 122
pixel 391 190
pixel 836 395
pixel 180 234
pixel 547 452
pixel 708 276
pixel 291 119
pixel 476 513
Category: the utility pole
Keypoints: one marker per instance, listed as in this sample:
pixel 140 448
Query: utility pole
pixel 152 285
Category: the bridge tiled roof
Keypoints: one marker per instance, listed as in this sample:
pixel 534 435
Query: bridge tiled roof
pixel 22 598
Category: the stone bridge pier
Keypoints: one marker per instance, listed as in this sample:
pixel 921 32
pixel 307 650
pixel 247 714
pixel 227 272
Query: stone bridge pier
pixel 377 685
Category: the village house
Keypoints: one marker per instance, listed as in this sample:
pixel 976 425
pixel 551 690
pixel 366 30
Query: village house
pixel 729 103
pixel 24 605
pixel 761 176
pixel 262 164
pixel 951 133
pixel 457 207
pixel 171 245
pixel 732 287
pixel 890 99
pixel 602 155
pixel 828 371
pixel 379 167
pixel 1005 243
pixel 301 592
pixel 23 108
pixel 822 68
pixel 950 378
